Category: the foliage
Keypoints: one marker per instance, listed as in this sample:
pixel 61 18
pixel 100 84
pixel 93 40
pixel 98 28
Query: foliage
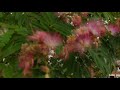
pixel 16 27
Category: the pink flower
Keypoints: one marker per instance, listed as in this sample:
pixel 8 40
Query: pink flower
pixel 26 58
pixel 76 19
pixel 97 27
pixel 84 36
pixel 85 39
pixel 78 43
pixel 79 48
pixel 114 29
pixel 81 30
pixel 71 41
pixel 26 62
pixel 39 36
pixel 52 40
pixel 49 39
pixel 68 48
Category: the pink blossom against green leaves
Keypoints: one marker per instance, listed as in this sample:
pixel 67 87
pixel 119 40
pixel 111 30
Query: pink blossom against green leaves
pixel 49 39
pixel 53 40
pixel 97 27
pixel 113 29
pixel 38 36
pixel 26 62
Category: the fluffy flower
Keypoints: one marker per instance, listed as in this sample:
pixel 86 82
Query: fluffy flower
pixel 26 63
pixel 69 47
pixel 26 57
pixel 97 27
pixel 84 36
pixel 113 29
pixel 26 60
pixel 80 30
pixel 78 43
pixel 38 36
pixel 83 41
pixel 52 40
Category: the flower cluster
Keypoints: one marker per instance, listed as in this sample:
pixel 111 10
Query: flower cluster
pixel 52 40
pixel 26 58
pixel 84 36
pixel 88 35
pixel 74 19
pixel 44 42
pixel 96 27
pixel 113 29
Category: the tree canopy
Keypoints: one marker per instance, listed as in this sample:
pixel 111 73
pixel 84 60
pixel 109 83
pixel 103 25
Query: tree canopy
pixel 59 44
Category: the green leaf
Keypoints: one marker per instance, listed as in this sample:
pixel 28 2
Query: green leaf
pixel 49 22
pixel 2 66
pixel 102 59
pixel 59 49
pixel 1 14
pixel 8 72
pixel 11 49
pixel 5 38
pixel 75 69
